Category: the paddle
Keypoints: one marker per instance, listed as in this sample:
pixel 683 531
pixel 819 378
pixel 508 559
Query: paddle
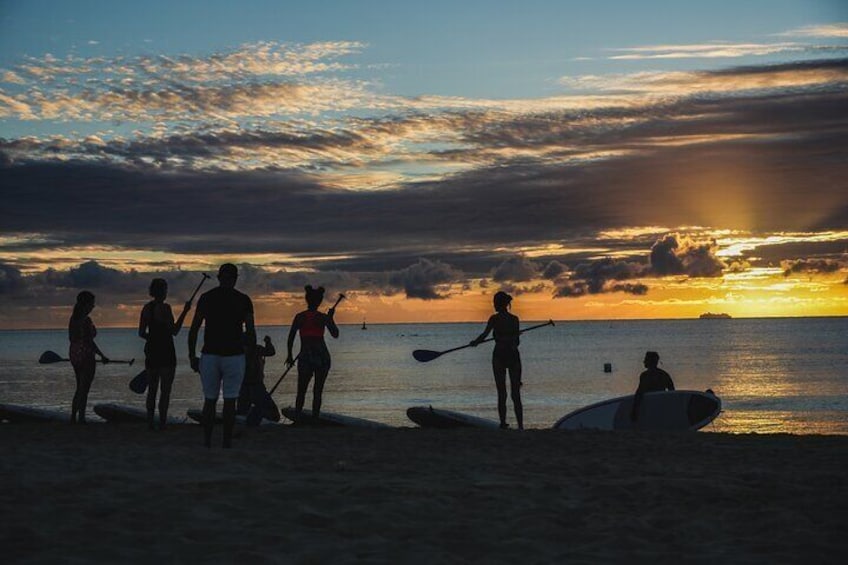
pixel 53 357
pixel 425 355
pixel 138 384
pixel 255 415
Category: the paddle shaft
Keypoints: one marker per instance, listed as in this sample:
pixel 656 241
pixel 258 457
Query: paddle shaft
pixel 50 357
pixel 548 323
pixel 196 290
pixel 440 353
pixel 286 372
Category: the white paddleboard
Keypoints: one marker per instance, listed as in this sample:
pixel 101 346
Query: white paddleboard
pixel 330 419
pixel 16 413
pixel 676 410
pixel 429 417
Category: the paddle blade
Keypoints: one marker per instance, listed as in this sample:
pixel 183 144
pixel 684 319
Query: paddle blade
pixel 139 383
pixel 50 357
pixel 425 355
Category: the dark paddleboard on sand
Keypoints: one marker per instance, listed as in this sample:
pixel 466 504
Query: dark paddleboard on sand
pixel 429 417
pixel 15 413
pixel 329 419
pixel 196 414
pixel 122 414
pixel 671 411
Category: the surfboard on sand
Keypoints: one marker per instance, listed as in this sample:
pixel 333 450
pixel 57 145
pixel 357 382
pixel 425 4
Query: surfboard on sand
pixel 329 419
pixel 676 410
pixel 429 417
pixel 16 413
pixel 122 414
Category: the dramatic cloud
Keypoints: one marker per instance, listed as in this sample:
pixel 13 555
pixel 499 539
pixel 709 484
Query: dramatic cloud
pixel 10 279
pixel 553 270
pixel 516 269
pixel 839 30
pixel 422 279
pixel 278 152
pixel 806 74
pixel 709 50
pixel 679 255
pixel 812 266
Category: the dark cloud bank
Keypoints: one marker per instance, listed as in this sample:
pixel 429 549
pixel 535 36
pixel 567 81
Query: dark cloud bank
pixel 780 167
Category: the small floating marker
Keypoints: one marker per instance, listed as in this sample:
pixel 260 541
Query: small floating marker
pixel 607 367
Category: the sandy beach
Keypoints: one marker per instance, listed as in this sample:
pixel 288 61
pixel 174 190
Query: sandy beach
pixel 121 494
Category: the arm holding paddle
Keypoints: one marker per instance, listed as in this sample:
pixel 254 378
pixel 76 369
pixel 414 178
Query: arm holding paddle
pixel 187 306
pixel 179 323
pixel 482 337
pixel 196 322
pixel 331 323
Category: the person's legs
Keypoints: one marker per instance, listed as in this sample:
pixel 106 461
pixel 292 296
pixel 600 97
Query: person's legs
pixel 318 391
pixel 75 402
pixel 86 378
pixel 210 378
pixel 166 381
pixel 515 392
pixel 304 375
pixel 499 370
pixel 233 375
pixel 152 389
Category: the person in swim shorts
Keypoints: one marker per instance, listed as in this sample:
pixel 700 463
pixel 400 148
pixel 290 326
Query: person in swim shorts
pixel 227 314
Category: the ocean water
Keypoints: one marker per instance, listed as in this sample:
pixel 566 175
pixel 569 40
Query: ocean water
pixel 773 375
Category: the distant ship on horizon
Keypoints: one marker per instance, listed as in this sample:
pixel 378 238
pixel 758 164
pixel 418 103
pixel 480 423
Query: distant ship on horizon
pixel 711 316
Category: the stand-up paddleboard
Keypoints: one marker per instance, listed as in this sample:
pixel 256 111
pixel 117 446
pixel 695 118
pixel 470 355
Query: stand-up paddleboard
pixel 122 414
pixel 429 417
pixel 15 413
pixel 676 410
pixel 329 419
pixel 196 414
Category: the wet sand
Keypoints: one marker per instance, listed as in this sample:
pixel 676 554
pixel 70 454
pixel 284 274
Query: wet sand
pixel 121 494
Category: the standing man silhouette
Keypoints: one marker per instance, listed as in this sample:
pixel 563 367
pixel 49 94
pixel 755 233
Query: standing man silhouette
pixel 228 314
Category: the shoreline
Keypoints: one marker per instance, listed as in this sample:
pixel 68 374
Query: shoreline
pixel 120 493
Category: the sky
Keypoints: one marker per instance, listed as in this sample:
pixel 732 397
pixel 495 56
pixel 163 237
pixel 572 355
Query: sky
pixel 596 160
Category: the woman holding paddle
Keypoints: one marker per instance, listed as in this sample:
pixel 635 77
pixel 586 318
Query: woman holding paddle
pixel 314 357
pixel 81 333
pixel 505 356
pixel 157 327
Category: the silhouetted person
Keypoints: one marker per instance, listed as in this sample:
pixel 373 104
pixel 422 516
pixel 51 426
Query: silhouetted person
pixel 505 356
pixel 157 327
pixel 652 379
pixel 81 333
pixel 314 357
pixel 228 314
pixel 253 389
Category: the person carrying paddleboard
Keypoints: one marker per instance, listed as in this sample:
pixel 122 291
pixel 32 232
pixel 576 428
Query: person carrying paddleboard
pixel 227 314
pixel 652 379
pixel 505 356
pixel 157 327
pixel 81 351
pixel 314 357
